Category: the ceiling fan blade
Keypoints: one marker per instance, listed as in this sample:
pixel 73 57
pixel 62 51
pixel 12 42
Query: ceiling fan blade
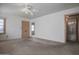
pixel 34 10
pixel 28 10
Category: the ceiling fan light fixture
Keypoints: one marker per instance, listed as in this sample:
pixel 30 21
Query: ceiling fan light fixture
pixel 28 10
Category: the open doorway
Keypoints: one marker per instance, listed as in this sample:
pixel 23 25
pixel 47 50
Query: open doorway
pixel 72 28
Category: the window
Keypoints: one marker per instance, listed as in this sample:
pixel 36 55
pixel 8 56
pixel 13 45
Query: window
pixel 1 25
pixel 33 29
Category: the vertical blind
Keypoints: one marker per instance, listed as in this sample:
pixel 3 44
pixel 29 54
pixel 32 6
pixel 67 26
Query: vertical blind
pixel 1 26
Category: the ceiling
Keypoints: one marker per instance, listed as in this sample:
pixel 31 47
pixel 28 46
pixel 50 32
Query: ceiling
pixel 43 8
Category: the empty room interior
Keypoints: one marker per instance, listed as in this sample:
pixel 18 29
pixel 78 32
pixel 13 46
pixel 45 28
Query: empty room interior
pixel 39 28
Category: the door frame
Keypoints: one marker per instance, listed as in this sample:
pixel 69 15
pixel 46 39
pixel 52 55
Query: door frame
pixel 66 28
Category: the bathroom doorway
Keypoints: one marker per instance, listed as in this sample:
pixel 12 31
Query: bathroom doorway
pixel 72 28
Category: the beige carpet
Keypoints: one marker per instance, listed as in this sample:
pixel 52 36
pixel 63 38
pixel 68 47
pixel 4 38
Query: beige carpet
pixel 37 47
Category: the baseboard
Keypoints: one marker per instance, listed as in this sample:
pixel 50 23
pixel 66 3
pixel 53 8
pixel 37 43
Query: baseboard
pixel 42 39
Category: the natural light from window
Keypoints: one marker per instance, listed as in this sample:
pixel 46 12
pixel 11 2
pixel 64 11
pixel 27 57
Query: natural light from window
pixel 1 26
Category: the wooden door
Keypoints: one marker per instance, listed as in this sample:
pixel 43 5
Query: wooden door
pixel 25 29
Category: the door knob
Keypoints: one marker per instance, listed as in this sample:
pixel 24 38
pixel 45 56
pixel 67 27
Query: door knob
pixel 25 30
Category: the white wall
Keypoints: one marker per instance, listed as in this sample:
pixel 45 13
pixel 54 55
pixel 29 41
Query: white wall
pixel 51 27
pixel 13 25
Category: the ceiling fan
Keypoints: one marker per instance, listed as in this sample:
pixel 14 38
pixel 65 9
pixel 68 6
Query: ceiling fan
pixel 29 10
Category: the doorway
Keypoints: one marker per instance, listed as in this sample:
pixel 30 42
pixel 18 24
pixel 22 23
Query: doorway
pixel 25 29
pixel 72 28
